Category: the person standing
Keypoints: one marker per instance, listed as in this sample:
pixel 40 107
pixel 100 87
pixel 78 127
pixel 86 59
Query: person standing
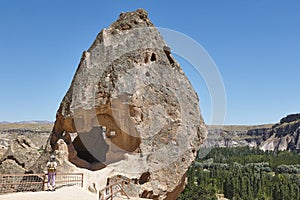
pixel 51 169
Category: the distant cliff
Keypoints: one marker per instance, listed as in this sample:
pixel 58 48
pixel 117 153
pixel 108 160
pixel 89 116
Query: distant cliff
pixel 281 136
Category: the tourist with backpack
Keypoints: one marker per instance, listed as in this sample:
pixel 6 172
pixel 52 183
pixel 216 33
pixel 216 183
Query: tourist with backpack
pixel 51 168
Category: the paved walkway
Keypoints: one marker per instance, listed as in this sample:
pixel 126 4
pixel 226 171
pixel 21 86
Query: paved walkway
pixel 65 193
pixel 131 198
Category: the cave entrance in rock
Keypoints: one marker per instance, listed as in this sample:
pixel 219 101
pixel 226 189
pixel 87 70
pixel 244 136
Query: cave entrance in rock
pixel 91 146
pixel 104 144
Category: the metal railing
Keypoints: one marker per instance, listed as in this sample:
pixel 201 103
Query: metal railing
pixel 110 191
pixel 10 183
pixel 68 179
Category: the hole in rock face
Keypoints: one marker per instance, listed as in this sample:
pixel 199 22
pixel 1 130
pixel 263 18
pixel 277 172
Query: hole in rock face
pixel 91 146
pixel 153 57
pixel 145 177
pixel 104 144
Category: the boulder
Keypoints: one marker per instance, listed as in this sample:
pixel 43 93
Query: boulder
pixel 133 112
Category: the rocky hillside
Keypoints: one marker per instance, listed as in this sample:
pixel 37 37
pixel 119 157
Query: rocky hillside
pixel 19 157
pixel 235 135
pixel 20 145
pixel 38 133
pixel 281 136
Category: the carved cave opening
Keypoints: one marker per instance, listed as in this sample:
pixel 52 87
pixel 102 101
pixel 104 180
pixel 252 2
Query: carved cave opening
pixel 91 146
pixel 103 144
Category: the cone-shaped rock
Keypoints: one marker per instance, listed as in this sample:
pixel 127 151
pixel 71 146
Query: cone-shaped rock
pixel 131 109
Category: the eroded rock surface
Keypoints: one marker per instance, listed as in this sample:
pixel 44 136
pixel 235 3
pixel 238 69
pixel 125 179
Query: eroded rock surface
pixel 131 111
pixel 284 135
pixel 19 157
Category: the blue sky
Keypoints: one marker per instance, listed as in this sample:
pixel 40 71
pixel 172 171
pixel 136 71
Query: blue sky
pixel 255 45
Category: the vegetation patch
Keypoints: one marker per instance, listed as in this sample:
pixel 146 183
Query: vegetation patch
pixel 244 173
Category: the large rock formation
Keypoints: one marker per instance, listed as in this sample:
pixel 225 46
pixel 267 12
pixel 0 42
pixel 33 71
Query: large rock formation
pixel 130 111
